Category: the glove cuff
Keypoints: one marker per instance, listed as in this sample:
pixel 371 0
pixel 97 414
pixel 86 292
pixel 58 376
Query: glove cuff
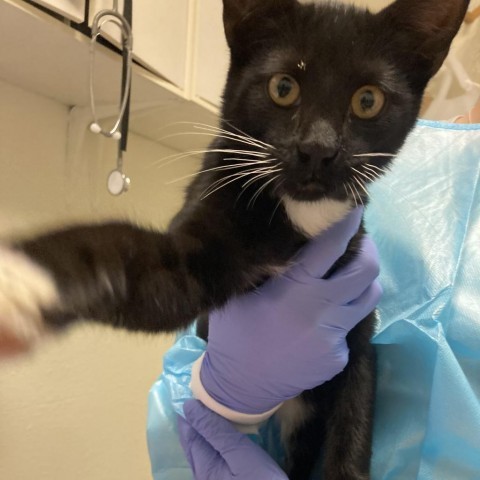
pixel 244 422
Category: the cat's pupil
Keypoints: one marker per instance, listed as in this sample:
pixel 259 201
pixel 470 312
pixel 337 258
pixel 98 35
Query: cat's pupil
pixel 367 102
pixel 284 87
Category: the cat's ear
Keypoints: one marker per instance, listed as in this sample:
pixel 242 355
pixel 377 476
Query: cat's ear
pixel 425 27
pixel 239 13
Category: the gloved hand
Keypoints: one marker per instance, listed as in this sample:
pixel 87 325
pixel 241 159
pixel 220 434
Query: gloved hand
pixel 217 451
pixel 289 335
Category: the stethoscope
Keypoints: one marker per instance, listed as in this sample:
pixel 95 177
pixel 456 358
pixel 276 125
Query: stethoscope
pixel 117 182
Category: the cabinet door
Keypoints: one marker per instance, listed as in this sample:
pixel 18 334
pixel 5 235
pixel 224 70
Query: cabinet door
pixel 211 52
pixel 71 9
pixel 160 35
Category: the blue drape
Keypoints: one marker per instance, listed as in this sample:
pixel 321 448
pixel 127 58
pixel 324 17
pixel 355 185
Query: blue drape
pixel 425 218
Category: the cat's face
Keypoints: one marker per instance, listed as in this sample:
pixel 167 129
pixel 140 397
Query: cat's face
pixel 332 90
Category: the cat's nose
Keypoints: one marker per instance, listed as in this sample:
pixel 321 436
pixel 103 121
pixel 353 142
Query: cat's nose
pixel 315 153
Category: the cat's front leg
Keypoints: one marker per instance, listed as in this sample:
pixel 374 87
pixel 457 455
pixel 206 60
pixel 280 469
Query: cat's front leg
pixel 348 442
pixel 302 427
pixel 116 274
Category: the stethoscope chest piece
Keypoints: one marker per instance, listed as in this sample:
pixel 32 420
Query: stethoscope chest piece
pixel 117 182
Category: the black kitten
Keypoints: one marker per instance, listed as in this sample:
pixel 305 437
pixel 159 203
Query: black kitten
pixel 318 99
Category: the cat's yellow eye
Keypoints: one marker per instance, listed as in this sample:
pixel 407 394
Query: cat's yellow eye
pixel 284 90
pixel 367 102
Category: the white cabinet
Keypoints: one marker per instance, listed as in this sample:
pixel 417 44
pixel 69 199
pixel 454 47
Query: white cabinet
pixel 71 9
pixel 180 41
pixel 160 35
pixel 211 52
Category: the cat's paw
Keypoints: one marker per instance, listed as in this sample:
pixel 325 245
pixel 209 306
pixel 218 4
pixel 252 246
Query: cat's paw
pixel 25 290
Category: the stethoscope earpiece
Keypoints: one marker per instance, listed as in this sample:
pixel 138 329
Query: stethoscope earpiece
pixel 95 128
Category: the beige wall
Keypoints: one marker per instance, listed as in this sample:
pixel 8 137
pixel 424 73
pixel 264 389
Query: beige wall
pixel 76 409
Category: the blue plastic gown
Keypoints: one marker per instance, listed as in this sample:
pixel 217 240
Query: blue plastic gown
pixel 425 219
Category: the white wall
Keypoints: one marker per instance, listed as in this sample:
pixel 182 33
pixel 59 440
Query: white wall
pixel 76 409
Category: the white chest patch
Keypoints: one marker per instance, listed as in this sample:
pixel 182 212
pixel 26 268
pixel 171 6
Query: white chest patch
pixel 292 415
pixel 312 218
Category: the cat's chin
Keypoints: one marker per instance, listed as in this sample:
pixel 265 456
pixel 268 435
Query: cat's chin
pixel 309 195
pixel 312 192
pixel 297 186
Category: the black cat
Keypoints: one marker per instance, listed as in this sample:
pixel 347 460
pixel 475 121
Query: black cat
pixel 318 100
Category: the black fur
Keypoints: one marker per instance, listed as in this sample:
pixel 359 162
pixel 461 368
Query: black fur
pixel 224 244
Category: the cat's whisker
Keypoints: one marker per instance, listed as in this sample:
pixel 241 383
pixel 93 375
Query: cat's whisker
pixel 353 194
pixel 249 136
pixel 375 173
pixel 232 136
pixel 278 186
pixel 253 180
pixel 374 155
pixel 251 202
pixel 250 182
pixel 369 177
pixel 208 134
pixel 267 169
pixel 372 175
pixel 262 161
pixel 221 168
pixel 360 184
pixel 244 173
pixel 222 182
pixel 380 169
pixel 260 190
pixel 179 156
pixel 278 203
pixel 358 193
pixel 262 174
pixel 213 128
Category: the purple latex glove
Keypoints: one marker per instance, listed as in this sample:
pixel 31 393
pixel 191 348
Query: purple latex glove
pixel 217 451
pixel 289 335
